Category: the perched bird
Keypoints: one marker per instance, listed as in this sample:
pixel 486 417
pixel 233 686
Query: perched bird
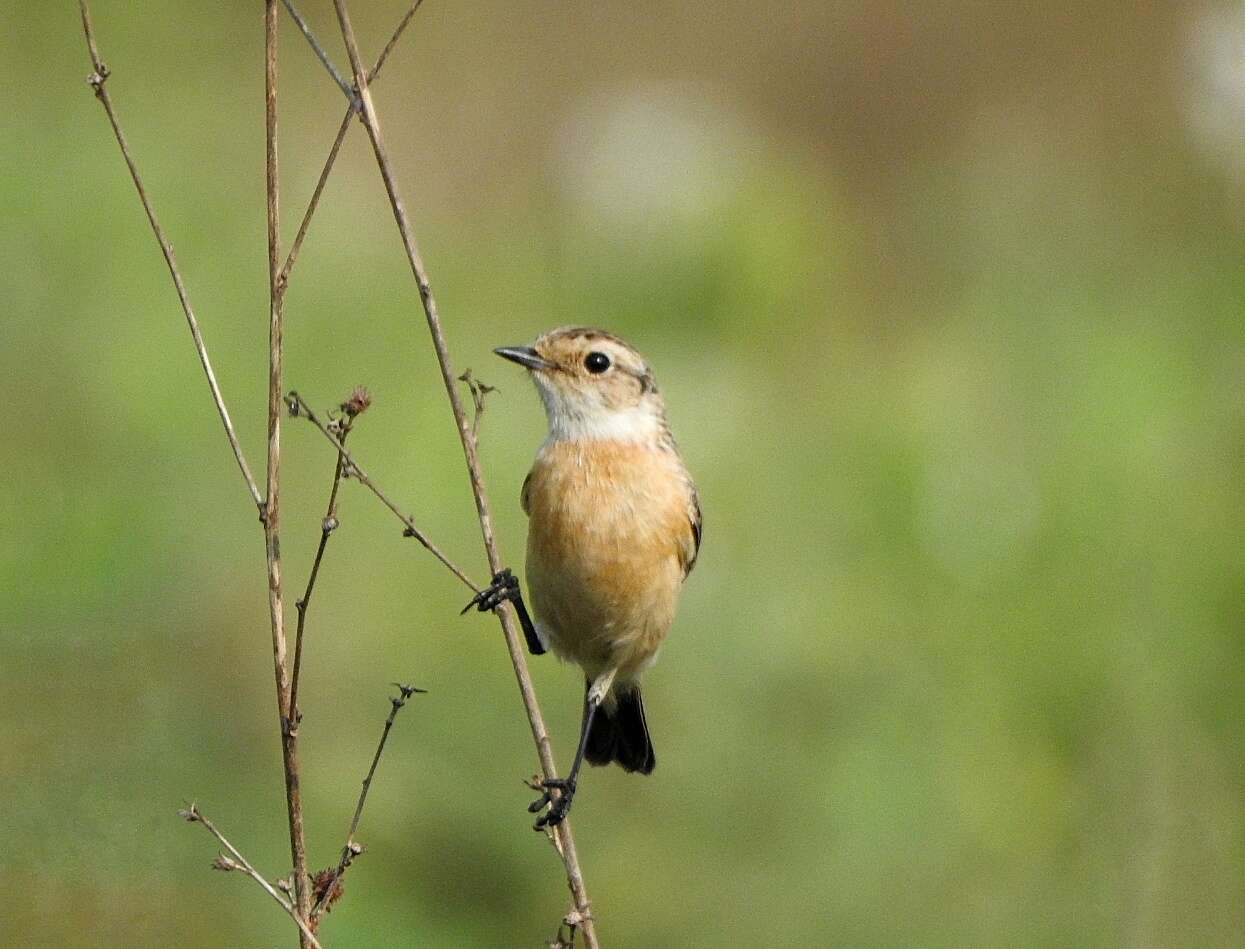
pixel 614 528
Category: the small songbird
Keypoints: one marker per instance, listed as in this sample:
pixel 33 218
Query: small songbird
pixel 614 528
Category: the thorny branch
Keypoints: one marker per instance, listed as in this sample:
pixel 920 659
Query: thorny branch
pixel 97 81
pixel 328 886
pixel 506 614
pixel 299 407
pixel 235 861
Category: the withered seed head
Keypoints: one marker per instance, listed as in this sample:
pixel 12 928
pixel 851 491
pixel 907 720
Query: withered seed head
pixel 358 402
pixel 327 881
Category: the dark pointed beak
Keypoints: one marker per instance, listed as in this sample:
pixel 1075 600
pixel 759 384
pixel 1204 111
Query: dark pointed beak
pixel 524 356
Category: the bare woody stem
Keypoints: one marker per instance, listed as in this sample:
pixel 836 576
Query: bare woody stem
pixel 352 408
pixel 236 861
pixel 327 527
pixel 269 506
pixel 272 507
pixel 97 79
pixel 351 848
pixel 351 109
pixel 506 615
pixel 321 53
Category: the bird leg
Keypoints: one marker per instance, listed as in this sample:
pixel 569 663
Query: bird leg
pixel 560 806
pixel 505 586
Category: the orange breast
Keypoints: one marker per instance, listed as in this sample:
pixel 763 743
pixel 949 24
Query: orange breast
pixel 603 567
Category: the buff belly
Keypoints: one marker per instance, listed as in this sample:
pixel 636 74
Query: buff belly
pixel 603 569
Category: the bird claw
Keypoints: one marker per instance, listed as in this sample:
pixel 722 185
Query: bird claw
pixel 558 807
pixel 505 586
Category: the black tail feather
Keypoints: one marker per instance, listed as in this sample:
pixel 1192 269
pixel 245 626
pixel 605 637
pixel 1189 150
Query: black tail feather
pixel 602 739
pixel 621 734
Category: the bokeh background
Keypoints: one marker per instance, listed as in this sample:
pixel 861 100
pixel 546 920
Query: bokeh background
pixel 946 301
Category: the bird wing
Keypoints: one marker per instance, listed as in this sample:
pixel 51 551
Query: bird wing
pixel 525 498
pixel 690 546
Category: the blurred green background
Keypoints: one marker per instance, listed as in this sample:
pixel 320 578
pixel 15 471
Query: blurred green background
pixel 946 301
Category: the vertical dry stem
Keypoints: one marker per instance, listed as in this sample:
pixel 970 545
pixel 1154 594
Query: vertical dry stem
pixel 514 640
pixel 352 408
pixel 327 527
pixel 272 507
pixel 268 506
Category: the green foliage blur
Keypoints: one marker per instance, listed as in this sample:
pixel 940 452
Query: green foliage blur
pixel 946 302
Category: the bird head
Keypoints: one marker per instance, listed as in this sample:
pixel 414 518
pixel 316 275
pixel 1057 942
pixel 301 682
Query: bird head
pixel 594 385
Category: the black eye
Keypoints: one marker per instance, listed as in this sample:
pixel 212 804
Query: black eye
pixel 597 362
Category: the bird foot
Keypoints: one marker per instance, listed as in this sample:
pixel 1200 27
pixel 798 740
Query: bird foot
pixel 558 806
pixel 505 586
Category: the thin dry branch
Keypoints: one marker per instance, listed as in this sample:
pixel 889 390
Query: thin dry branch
pixel 352 849
pixel 272 507
pixel 351 109
pixel 321 53
pixel 299 407
pixel 479 393
pixel 351 409
pixel 268 506
pixel 97 81
pixel 235 861
pixel 506 615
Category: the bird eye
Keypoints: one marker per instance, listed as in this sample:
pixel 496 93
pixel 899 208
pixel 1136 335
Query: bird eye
pixel 597 362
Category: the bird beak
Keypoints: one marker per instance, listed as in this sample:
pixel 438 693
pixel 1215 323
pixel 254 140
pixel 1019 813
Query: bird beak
pixel 524 356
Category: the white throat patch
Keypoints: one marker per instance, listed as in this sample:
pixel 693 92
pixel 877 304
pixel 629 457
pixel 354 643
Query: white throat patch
pixel 595 422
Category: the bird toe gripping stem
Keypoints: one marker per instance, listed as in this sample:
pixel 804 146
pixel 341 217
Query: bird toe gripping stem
pixel 505 586
pixel 558 807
